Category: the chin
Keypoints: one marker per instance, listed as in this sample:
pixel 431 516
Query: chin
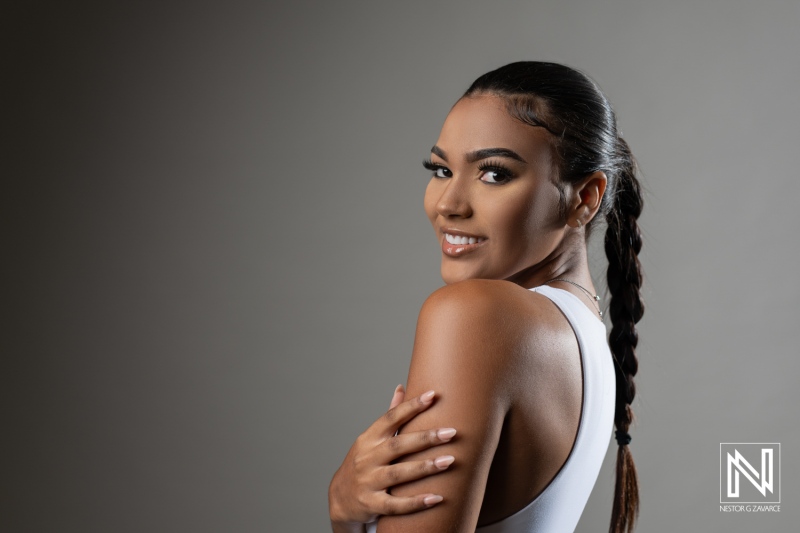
pixel 453 274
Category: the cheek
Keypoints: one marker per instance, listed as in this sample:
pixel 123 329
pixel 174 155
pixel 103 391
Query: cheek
pixel 528 222
pixel 519 219
pixel 544 225
pixel 512 217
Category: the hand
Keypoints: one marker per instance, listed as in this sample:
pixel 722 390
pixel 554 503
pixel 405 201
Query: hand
pixel 358 491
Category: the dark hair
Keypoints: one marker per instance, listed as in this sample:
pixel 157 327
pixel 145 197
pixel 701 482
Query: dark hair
pixel 574 110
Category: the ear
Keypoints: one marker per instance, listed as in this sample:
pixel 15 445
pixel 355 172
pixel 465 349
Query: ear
pixel 585 199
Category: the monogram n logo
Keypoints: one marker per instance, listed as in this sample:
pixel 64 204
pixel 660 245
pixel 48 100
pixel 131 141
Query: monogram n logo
pixel 737 462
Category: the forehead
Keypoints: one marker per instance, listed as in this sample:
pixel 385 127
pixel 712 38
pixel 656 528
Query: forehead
pixel 484 122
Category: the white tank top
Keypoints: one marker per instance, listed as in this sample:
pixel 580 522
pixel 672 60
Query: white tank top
pixel 559 506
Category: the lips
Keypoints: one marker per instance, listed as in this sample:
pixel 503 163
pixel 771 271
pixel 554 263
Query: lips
pixel 457 243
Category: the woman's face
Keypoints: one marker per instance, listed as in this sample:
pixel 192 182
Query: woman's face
pixel 493 200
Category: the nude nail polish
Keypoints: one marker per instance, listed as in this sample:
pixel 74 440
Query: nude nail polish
pixel 444 461
pixel 430 500
pixel 445 434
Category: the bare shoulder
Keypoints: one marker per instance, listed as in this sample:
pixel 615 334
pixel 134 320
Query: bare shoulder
pixel 475 297
pixel 485 288
pixel 495 309
pixel 494 323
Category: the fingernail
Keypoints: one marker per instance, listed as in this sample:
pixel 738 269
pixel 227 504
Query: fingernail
pixel 427 397
pixel 445 434
pixel 444 461
pixel 431 500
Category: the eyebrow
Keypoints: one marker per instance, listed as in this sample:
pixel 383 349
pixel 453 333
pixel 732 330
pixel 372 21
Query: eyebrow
pixel 483 153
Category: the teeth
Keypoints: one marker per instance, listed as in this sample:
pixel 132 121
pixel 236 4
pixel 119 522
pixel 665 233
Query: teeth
pixel 457 239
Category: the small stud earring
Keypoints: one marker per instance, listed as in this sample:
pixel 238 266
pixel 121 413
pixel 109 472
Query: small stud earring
pixel 580 223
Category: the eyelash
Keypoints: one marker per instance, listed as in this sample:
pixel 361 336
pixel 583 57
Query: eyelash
pixel 504 174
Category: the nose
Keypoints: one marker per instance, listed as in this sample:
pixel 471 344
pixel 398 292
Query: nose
pixel 454 201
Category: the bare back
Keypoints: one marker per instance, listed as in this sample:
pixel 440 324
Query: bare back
pixel 540 428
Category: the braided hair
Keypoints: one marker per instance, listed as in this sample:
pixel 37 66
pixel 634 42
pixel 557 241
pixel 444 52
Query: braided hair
pixel 574 110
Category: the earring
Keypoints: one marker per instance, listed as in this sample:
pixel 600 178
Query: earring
pixel 580 223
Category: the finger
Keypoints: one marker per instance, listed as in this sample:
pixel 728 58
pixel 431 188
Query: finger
pixel 392 475
pixel 400 445
pixel 389 423
pixel 399 394
pixel 397 505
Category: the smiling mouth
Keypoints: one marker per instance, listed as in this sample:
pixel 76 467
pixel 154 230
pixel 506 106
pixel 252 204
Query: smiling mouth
pixel 461 239
pixel 459 245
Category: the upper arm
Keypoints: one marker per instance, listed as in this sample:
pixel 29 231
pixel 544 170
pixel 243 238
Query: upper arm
pixel 461 350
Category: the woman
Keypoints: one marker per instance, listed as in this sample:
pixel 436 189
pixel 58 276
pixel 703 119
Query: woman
pixel 513 347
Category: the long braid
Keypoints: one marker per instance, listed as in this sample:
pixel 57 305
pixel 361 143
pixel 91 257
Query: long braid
pixel 622 243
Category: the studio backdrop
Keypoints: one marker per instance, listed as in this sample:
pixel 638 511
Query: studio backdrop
pixel 214 247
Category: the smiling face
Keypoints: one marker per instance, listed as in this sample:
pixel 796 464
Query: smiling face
pixel 493 199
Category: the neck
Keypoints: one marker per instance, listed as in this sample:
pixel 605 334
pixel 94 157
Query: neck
pixel 568 261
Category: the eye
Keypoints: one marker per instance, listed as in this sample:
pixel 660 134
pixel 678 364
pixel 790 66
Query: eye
pixel 442 172
pixel 495 174
pixel 439 171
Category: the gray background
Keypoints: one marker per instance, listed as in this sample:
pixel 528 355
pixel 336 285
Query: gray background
pixel 214 248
